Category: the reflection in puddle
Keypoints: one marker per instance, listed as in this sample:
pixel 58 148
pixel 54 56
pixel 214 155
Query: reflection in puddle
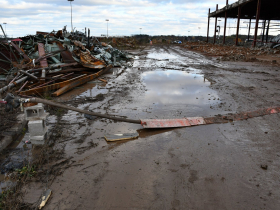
pixel 94 91
pixel 177 88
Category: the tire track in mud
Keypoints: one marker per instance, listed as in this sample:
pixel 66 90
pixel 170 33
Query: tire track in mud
pixel 199 59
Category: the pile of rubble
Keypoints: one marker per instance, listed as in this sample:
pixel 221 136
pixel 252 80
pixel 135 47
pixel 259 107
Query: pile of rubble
pixel 275 42
pixel 125 42
pixel 56 61
pixel 231 53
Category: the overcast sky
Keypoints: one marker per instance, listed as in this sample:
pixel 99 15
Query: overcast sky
pixel 126 17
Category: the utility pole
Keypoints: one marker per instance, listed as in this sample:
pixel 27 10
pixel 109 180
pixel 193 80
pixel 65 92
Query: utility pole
pixel 107 27
pixel 71 13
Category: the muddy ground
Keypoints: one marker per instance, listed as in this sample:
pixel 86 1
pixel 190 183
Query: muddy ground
pixel 219 166
pixel 7 120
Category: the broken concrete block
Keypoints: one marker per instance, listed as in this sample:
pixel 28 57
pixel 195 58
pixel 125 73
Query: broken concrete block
pixel 36 112
pixel 39 140
pixel 37 127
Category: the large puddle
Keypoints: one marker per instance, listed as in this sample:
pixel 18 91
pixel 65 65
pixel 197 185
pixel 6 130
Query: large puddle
pixel 173 87
pixel 179 89
pixel 162 56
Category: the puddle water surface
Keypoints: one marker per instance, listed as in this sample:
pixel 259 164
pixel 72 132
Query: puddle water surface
pixel 178 89
pixel 162 56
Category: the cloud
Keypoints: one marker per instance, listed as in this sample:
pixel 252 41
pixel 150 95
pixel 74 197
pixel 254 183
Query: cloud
pixel 155 17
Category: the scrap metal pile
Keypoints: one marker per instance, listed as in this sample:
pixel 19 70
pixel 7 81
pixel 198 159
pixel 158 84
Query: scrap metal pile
pixel 55 62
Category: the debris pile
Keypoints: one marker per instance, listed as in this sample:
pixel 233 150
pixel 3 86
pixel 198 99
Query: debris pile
pixel 275 42
pixel 56 61
pixel 231 53
pixel 124 42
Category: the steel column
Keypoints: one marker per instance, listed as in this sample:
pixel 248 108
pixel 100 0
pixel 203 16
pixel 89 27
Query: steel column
pixel 225 26
pixel 263 30
pixel 238 23
pixel 249 29
pixel 257 22
pixel 267 30
pixel 208 26
pixel 215 25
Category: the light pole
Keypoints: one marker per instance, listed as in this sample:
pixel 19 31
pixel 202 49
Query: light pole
pixel 140 31
pixel 5 28
pixel 107 27
pixel 71 14
pixel 198 31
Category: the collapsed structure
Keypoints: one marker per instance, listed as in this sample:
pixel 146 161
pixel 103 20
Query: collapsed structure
pixel 265 10
pixel 56 61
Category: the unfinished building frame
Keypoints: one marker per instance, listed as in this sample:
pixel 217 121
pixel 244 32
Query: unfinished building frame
pixel 265 10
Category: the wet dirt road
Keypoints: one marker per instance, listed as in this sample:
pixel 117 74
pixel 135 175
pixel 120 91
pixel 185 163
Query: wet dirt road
pixel 219 166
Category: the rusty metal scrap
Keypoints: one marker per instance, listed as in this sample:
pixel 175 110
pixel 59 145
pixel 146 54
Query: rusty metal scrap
pixel 41 50
pixel 20 51
pixel 90 61
pixel 80 81
pixel 30 75
pixel 79 44
pixel 66 55
pixel 55 86
pixel 37 60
